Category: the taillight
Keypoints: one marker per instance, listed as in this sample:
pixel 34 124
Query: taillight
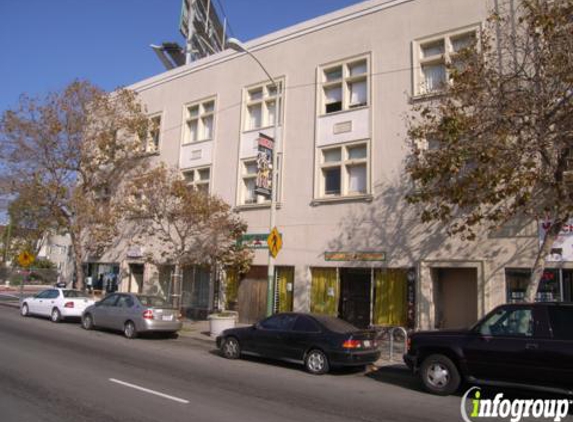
pixel 180 316
pixel 148 314
pixel 408 344
pixel 69 305
pixel 352 344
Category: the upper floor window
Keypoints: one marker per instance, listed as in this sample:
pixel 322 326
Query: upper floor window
pixel 199 121
pixel 261 105
pixel 151 143
pixel 432 57
pixel 248 196
pixel 344 170
pixel 198 179
pixel 344 86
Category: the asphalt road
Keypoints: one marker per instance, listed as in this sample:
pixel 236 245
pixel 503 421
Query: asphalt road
pixel 59 372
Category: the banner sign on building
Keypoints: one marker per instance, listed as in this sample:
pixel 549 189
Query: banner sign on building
pixel 264 180
pixel 255 241
pixel 562 249
pixel 354 256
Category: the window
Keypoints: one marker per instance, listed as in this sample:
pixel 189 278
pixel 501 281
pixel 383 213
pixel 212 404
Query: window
pixel 198 179
pixel 561 318
pixel 432 56
pixel 509 322
pixel 305 325
pixel 344 86
pixel 199 121
pixel 278 322
pixel 344 170
pixel 261 106
pixel 248 179
pixel 152 139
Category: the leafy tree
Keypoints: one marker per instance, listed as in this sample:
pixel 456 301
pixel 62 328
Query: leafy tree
pixel 502 130
pixel 62 156
pixel 182 226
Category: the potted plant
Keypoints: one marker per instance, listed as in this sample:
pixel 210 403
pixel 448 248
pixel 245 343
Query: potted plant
pixel 220 321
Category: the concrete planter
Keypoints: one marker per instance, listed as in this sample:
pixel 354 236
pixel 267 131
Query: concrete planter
pixel 221 321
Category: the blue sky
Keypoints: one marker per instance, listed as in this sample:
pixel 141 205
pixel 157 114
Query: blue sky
pixel 45 44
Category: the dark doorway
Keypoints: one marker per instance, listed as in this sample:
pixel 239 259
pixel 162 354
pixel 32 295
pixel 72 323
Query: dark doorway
pixel 355 293
pixel 136 278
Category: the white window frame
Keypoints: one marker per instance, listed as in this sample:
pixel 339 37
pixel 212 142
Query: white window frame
pixel 440 59
pixel 268 96
pixel 153 136
pixel 344 82
pixel 344 164
pixel 195 181
pixel 203 112
pixel 244 176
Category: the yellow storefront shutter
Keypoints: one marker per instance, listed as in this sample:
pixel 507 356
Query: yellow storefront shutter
pixel 390 303
pixel 285 276
pixel 231 288
pixel 325 291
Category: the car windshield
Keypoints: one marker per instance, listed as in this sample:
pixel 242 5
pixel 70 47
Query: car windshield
pixel 153 301
pixel 73 293
pixel 335 324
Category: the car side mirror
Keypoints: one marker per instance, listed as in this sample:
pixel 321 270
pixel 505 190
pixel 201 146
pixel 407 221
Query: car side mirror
pixel 256 326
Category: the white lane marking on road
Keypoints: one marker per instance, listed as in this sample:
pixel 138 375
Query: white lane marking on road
pixel 146 390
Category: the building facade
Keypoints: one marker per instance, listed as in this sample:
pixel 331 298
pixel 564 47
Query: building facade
pixel 352 246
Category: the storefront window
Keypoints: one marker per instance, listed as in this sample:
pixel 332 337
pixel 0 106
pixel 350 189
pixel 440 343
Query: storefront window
pixel 553 281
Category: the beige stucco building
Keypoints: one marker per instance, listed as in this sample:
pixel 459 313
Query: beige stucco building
pixel 351 245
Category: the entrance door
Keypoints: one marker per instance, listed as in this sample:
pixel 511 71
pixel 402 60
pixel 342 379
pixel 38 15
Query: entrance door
pixel 252 296
pixel 136 278
pixel 456 297
pixel 355 296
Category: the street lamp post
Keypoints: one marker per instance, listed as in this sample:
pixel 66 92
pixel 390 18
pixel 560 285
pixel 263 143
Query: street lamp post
pixel 237 45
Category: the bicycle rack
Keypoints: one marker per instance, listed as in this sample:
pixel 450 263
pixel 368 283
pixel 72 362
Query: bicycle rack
pixel 391 334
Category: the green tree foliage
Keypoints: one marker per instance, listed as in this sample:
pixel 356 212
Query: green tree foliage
pixel 62 155
pixel 502 129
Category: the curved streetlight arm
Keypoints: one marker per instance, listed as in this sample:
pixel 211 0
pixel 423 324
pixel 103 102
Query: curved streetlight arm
pixel 235 44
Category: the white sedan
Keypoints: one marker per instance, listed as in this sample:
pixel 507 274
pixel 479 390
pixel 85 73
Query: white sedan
pixel 57 304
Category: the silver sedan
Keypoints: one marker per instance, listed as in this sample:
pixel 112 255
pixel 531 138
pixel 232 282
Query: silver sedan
pixel 133 314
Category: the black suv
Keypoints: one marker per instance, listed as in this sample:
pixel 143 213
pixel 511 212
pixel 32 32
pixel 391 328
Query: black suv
pixel 519 345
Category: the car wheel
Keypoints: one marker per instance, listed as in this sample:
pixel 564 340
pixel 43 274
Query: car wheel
pixel 129 330
pixel 24 310
pixel 440 375
pixel 231 348
pixel 316 362
pixel 87 322
pixel 55 316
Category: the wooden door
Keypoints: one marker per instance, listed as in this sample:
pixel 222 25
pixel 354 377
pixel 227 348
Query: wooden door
pixel 252 297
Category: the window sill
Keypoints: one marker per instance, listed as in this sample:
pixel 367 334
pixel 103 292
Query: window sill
pixel 150 153
pixel 348 110
pixel 259 129
pixel 426 97
pixel 342 199
pixel 247 207
pixel 199 141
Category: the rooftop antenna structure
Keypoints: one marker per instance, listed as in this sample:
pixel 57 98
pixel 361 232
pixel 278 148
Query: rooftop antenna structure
pixel 203 26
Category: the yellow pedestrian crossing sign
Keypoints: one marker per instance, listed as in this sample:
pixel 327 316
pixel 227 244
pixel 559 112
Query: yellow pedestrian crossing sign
pixel 275 242
pixel 25 259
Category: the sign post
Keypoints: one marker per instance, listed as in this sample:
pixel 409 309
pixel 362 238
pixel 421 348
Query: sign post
pixel 25 259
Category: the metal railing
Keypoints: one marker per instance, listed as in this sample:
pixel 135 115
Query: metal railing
pixel 403 331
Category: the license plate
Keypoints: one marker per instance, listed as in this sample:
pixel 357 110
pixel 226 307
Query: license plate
pixel 167 317
pixel 367 343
